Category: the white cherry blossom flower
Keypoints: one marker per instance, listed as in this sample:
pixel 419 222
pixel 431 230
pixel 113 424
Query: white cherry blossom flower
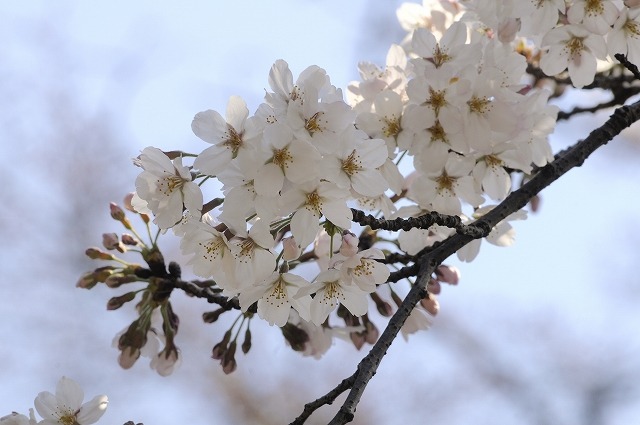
pixel 502 234
pixel 361 94
pixel 597 16
pixel 253 257
pixel 212 256
pixel 625 36
pixel 66 407
pixel 386 122
pixel 289 157
pixel 538 16
pixel 230 137
pixel 241 199
pixel 354 165
pixel 442 191
pixel 363 269
pixel 331 288
pixel 574 48
pixel 275 297
pixel 434 15
pixel 309 202
pixel 451 49
pixel 167 187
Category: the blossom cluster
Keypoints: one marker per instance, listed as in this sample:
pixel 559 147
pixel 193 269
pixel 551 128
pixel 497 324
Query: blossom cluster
pixel 63 408
pixel 454 114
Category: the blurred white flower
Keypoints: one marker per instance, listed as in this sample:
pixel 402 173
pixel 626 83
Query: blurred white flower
pixel 66 407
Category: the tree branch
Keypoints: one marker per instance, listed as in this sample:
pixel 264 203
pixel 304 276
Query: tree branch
pixel 426 263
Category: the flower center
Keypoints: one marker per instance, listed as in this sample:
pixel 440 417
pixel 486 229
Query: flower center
pixel 278 293
pixel 445 182
pixel 68 419
pixel 440 56
pixel 437 132
pixel 632 29
pixel 436 99
pixel 314 202
pixel 479 105
pixel 493 161
pixel 233 140
pixel 213 249
pixel 332 291
pixel 392 128
pixel 247 247
pixel 575 45
pixel 363 269
pixel 352 164
pixel 169 184
pixel 312 125
pixel 593 7
pixel 282 157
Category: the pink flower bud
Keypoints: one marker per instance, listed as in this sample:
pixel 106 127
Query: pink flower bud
pixel 431 304
pixel 112 242
pixel 448 274
pixel 116 212
pixel 433 286
pixel 290 249
pixel 349 246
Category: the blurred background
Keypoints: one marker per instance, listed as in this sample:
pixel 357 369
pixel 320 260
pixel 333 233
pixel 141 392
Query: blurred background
pixel 544 332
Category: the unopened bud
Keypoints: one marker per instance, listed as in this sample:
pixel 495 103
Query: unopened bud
pixel 117 302
pixel 448 274
pixel 358 339
pixel 96 254
pixel 535 201
pixel 212 316
pixel 127 239
pixel 116 280
pixel 434 286
pixel 87 281
pixel 128 357
pixel 431 304
pixel 349 246
pixel 111 242
pixel 220 348
pixel 116 212
pixel 371 332
pixel 229 359
pixel 384 308
pixel 290 249
pixel 295 336
pixel 135 336
pixel 246 344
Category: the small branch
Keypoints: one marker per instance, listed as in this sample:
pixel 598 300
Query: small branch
pixel 423 222
pixel 208 293
pixel 625 62
pixel 328 398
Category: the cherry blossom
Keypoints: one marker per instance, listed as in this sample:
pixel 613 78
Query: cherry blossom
pixel 276 296
pixel 167 187
pixel 66 407
pixel 230 138
pixel 574 48
pixel 330 288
